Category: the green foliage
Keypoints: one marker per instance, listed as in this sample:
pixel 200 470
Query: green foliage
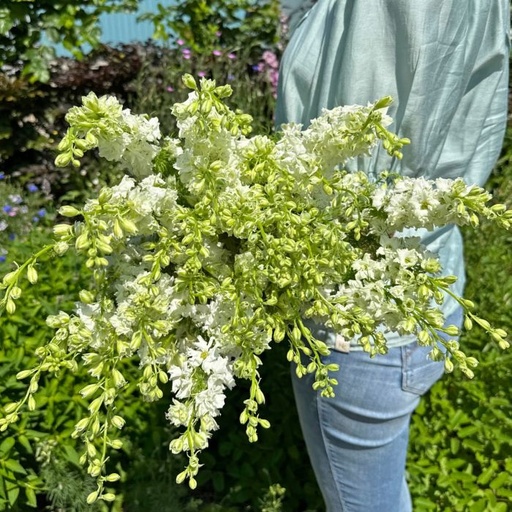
pixel 25 448
pixel 200 23
pixel 25 26
pixel 73 24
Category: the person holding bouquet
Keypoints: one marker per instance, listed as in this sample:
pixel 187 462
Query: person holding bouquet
pixel 446 66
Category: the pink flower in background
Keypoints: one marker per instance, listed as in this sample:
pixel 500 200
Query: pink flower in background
pixel 270 59
pixel 217 53
pixel 201 74
pixel 186 53
pixel 180 42
pixel 231 56
pixel 269 64
pixel 170 88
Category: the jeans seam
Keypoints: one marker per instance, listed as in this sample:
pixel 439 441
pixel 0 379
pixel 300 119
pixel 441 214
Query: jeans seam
pixel 320 410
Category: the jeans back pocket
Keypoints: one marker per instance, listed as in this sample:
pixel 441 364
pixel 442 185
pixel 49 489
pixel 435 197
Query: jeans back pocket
pixel 419 372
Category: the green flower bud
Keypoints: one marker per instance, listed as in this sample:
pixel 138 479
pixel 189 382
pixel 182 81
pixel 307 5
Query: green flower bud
pixel 10 278
pixel 89 390
pixel 448 366
pixel 92 497
pixel 15 292
pixel 91 450
pixel 10 408
pixel 32 274
pixel 69 211
pixel 10 307
pixel 264 423
pixel 24 374
pixel 118 422
pixel 31 403
pixel 82 242
pixel 63 159
pixel 60 248
pixel 189 81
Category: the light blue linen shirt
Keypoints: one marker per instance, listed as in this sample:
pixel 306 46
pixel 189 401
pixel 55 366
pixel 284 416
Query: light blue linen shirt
pixel 445 63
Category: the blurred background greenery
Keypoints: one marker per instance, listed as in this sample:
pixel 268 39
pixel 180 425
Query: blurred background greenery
pixel 460 457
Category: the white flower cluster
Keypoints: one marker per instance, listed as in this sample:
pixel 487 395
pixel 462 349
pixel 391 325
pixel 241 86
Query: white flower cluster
pixel 132 140
pixel 427 203
pixel 199 267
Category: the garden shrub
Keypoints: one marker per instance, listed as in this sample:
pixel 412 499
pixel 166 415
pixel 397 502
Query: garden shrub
pixel 235 24
pixel 25 449
pixel 36 89
pixel 23 26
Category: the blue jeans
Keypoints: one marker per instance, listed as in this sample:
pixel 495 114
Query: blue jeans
pixel 357 441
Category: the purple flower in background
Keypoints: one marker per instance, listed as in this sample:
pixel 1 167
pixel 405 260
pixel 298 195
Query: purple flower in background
pixel 35 219
pixel 201 74
pixel 231 56
pixel 186 53
pixel 180 42
pixel 231 77
pixel 169 88
pixel 32 188
pixel 218 33
pixel 42 212
pixel 12 236
pixel 256 67
pixel 2 175
pixel 3 257
pixel 217 53
pixel 7 208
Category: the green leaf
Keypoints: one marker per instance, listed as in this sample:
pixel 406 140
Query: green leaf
pixel 31 497
pixel 7 445
pixel 424 504
pixel 12 495
pixel 6 22
pixel 23 440
pixel 15 466
pixel 500 480
pixel 72 455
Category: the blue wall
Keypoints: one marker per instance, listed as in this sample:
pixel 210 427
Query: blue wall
pixel 124 28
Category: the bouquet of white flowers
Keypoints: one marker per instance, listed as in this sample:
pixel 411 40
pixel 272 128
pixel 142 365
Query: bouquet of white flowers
pixel 214 245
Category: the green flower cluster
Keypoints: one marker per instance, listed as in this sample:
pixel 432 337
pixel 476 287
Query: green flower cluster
pixel 217 245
